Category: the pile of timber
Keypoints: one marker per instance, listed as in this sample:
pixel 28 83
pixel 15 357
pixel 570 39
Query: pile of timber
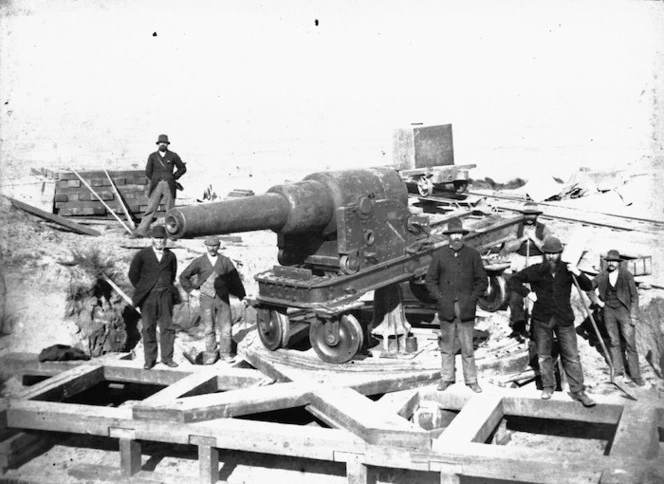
pixel 74 199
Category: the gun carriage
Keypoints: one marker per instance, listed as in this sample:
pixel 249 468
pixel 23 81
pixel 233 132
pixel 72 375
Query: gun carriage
pixel 340 234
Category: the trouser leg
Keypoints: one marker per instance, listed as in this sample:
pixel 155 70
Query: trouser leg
pixel 611 324
pixel 465 333
pixel 207 316
pixel 166 329
pixel 149 331
pixel 544 341
pixel 224 326
pixel 570 357
pixel 161 190
pixel 629 334
pixel 447 354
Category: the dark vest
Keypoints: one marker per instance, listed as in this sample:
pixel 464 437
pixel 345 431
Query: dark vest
pixel 528 247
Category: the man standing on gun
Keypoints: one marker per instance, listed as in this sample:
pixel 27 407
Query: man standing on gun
pixel 619 300
pixel 456 279
pixel 551 283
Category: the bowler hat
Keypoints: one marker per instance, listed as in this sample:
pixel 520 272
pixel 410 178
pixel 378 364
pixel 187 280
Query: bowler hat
pixel 552 245
pixel 158 232
pixel 613 255
pixel 212 240
pixel 454 226
pixel 163 139
pixel 530 207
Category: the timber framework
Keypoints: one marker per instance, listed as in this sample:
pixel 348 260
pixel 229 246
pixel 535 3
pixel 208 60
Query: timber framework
pixel 368 420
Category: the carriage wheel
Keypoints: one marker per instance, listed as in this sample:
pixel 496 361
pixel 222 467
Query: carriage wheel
pixel 273 328
pixel 496 295
pixel 425 186
pixel 337 340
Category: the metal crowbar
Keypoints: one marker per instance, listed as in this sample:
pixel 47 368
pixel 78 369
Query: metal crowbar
pixel 601 341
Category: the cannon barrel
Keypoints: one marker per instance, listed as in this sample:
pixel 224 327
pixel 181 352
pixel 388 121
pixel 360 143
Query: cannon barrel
pixel 299 207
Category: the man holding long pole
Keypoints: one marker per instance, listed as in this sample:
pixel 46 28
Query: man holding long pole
pixel 551 283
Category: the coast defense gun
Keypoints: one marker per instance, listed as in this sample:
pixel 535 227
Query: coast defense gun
pixel 340 234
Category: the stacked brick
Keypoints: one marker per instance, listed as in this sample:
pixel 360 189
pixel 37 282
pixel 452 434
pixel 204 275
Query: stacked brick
pixel 74 199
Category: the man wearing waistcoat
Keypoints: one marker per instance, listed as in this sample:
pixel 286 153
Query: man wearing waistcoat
pixel 212 277
pixel 527 248
pixel 163 181
pixel 456 279
pixel 550 289
pixel 619 300
pixel 152 273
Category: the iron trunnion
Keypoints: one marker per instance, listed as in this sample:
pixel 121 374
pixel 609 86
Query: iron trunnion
pixel 340 235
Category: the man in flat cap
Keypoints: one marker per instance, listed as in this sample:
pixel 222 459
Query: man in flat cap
pixel 456 279
pixel 159 170
pixel 619 300
pixel 212 277
pixel 152 273
pixel 551 286
pixel 526 245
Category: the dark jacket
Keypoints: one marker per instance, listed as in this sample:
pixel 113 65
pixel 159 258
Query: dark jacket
pixel 227 280
pixel 456 276
pixel 626 290
pixel 159 168
pixel 145 270
pixel 552 293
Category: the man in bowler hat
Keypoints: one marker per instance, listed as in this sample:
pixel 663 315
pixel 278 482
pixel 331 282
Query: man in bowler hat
pixel 163 181
pixel 152 273
pixel 619 300
pixel 550 289
pixel 456 279
pixel 212 277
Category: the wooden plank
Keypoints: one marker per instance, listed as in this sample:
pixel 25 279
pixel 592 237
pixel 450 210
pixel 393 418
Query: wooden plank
pixel 130 457
pixel 194 384
pixel 475 422
pixel 344 408
pixel 560 407
pixel 402 403
pixel 228 404
pixel 92 472
pixel 66 384
pixel 208 463
pixel 78 228
pixel 637 433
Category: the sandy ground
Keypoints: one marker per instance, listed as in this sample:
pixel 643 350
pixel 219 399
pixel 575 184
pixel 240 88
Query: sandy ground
pixel 37 285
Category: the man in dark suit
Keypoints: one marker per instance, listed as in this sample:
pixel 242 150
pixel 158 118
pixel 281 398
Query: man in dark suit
pixel 456 279
pixel 163 181
pixel 152 273
pixel 619 300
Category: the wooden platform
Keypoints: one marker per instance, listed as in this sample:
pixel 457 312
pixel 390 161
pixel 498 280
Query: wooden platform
pixel 368 415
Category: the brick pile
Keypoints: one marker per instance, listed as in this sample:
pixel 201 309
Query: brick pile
pixel 74 199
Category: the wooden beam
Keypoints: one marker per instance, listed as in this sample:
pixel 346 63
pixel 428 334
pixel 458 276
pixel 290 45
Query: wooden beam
pixel 228 404
pixel 347 409
pixel 78 228
pixel 637 433
pixel 130 457
pixel 66 384
pixel 475 422
pixel 402 403
pixel 357 472
pixel 194 384
pixel 208 464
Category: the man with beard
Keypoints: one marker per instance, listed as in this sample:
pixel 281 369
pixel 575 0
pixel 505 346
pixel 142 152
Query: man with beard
pixel 152 273
pixel 211 278
pixel 551 283
pixel 527 247
pixel 163 181
pixel 456 279
pixel 619 300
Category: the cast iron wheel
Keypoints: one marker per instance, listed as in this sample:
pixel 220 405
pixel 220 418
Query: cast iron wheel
pixel 273 328
pixel 425 186
pixel 496 295
pixel 336 346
